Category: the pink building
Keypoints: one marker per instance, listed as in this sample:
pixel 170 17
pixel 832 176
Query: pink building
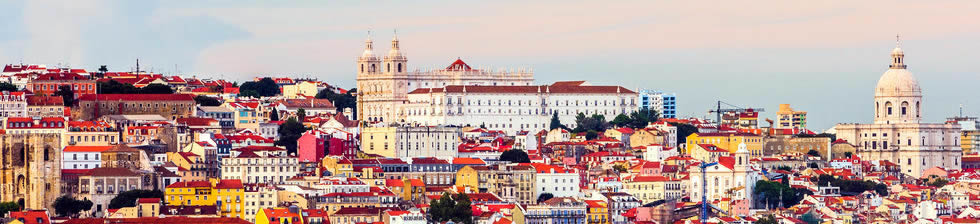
pixel 311 147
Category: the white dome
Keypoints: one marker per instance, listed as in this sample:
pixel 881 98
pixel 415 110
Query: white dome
pixel 898 51
pixel 898 82
pixel 368 53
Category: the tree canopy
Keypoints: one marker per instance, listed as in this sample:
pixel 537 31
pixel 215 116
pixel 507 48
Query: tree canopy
pixel 68 206
pixel 545 196
pixel 115 87
pixel 771 193
pixel 555 123
pixel 596 123
pixel 683 130
pixel 128 198
pixel 67 95
pixel 6 86
pixel 274 116
pixel 264 87
pixel 454 208
pixel 289 133
pixel 340 101
pixel 515 156
pixel 8 206
pixel 206 101
pixel 852 186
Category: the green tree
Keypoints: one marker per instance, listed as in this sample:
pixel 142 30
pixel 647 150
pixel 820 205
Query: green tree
pixel 274 115
pixel 515 156
pixel 848 154
pixel 6 86
pixel 813 153
pixel 340 101
pixel 592 134
pixel 289 133
pixel 69 206
pixel 128 198
pixel 771 193
pixel 206 101
pixel 156 88
pixel 620 120
pixel 264 87
pixel 621 168
pixel 544 197
pixel 301 113
pixel 463 212
pixel 9 206
pixel 771 219
pixel 852 186
pixel 67 95
pixel 809 218
pixel 115 87
pixel 248 93
pixel 555 123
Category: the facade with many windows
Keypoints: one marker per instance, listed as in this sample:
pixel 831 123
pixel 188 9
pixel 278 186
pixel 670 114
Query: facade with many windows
pixel 259 164
pixel 516 108
pixel 411 141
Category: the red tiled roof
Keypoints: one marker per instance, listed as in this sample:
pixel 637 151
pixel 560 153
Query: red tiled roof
pixel 158 220
pixel 75 148
pixel 459 65
pixel 229 184
pixel 147 200
pixel 137 97
pixel 60 76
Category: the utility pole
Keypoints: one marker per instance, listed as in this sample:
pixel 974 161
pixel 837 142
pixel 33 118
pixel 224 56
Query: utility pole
pixel 704 190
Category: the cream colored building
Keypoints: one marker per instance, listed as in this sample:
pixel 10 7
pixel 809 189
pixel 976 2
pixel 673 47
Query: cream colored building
pixel 383 83
pixel 652 188
pixel 732 177
pixel 411 141
pixel 786 117
pixel 259 165
pixel 898 134
pixel 305 88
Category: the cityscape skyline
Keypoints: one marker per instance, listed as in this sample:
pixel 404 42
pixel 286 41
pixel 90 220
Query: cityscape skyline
pixel 719 55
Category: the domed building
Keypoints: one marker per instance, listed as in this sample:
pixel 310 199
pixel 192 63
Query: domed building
pixel 898 134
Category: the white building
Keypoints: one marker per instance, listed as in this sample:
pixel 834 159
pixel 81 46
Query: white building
pixel 665 103
pixel 383 84
pixel 82 157
pixel 259 165
pixel 898 133
pixel 516 108
pixel 557 180
pixel 671 138
pixel 257 197
pixel 732 177
pixel 13 104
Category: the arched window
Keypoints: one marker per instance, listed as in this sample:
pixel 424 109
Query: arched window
pixel 388 67
pixel 362 67
pixel 877 110
pixel 888 108
pixel 905 106
pixel 917 109
pixel 399 67
pixel 373 68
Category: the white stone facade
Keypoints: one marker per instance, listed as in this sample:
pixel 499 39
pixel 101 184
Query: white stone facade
pixel 383 83
pixel 515 108
pixel 259 166
pixel 897 134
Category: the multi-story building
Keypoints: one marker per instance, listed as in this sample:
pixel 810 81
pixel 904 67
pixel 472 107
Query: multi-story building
pixel 228 195
pixel 898 133
pixel 258 197
pixel 787 118
pixel 48 84
pixel 775 145
pixel 970 133
pixel 30 125
pixel 411 141
pixel 729 141
pixel 557 210
pixel 172 106
pixel 652 188
pixel 557 180
pixel 13 104
pixel 101 185
pixel 224 115
pixel 664 103
pixel 516 108
pixel 248 115
pixel 259 165
pixel 383 84
pixel 91 133
pixel 598 212
pixel 748 119
pixel 45 106
pixel 30 169
pixel 82 157
pixel 619 203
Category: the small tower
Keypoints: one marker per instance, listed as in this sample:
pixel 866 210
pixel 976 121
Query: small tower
pixel 898 56
pixel 741 156
pixel 368 62
pixel 395 62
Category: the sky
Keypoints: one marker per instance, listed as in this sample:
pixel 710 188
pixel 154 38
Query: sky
pixel 823 57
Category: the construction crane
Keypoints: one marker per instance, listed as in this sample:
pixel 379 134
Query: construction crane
pixel 704 190
pixel 719 111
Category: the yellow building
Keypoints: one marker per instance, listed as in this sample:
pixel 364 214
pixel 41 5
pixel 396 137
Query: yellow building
pixel 407 189
pixel 338 166
pixel 468 177
pixel 652 188
pixel 227 194
pixel 786 117
pixel 378 140
pixel 645 137
pixel 598 212
pixel 305 88
pixel 728 141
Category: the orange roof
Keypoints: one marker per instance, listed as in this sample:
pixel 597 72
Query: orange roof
pixel 468 161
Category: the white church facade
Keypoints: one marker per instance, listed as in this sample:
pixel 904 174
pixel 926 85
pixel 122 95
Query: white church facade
pixel 898 134
pixel 383 84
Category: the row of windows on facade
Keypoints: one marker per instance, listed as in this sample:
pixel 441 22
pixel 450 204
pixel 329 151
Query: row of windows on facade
pixel 905 105
pixel 111 139
pixel 49 124
pixel 264 169
pixel 433 111
pixel 449 101
pixel 53 87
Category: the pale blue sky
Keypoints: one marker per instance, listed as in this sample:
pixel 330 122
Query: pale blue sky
pixel 823 57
